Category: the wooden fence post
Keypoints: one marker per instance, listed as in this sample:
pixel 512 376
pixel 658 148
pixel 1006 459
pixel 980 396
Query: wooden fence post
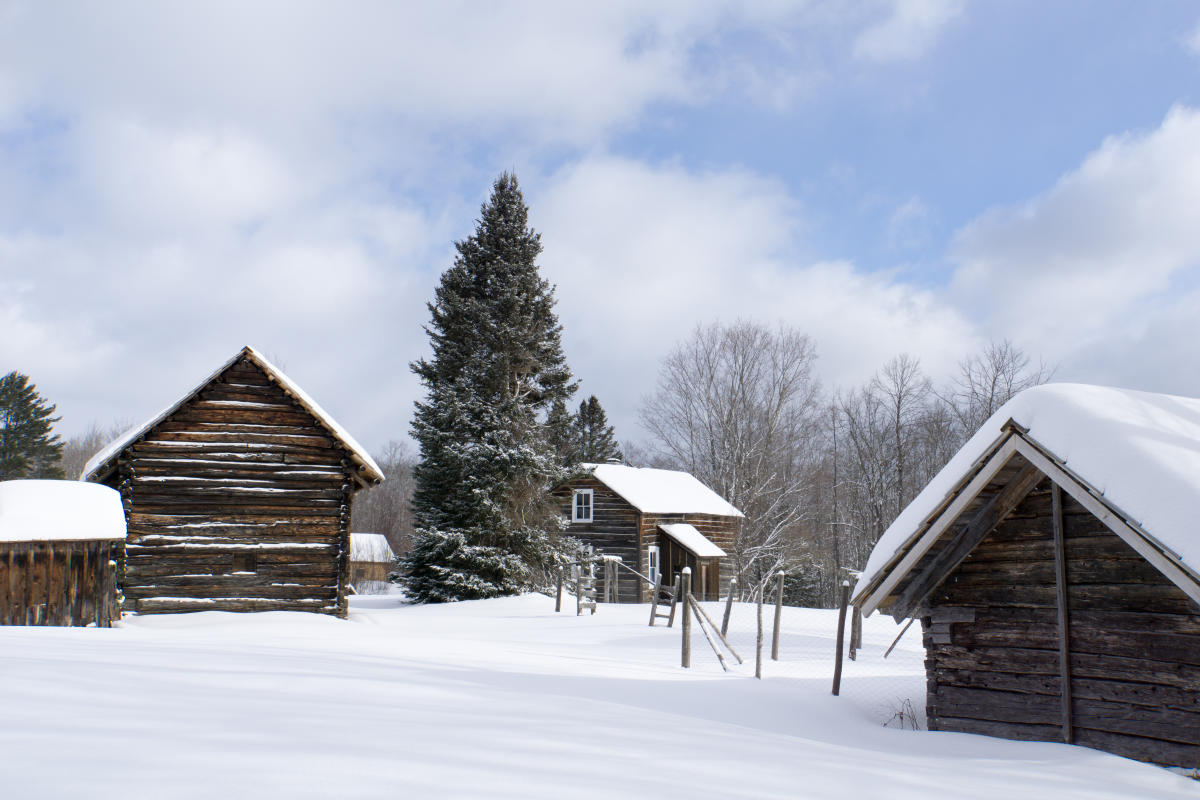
pixel 728 606
pixel 778 617
pixel 558 594
pixel 855 633
pixel 758 601
pixel 687 617
pixel 841 633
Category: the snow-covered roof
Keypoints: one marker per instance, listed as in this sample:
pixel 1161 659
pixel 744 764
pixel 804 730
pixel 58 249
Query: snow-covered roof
pixel 1139 452
pixel 692 540
pixel 662 491
pixel 371 547
pixel 103 462
pixel 59 510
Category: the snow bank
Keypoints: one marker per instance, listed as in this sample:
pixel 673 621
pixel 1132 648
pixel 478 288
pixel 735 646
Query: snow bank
pixel 662 491
pixel 693 540
pixel 59 510
pixel 1141 450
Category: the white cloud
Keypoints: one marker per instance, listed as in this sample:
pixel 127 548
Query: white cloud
pixel 1066 268
pixel 911 28
pixel 1192 40
pixel 643 254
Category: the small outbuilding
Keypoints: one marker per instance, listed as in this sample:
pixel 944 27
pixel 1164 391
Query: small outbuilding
pixel 1054 565
pixel 657 521
pixel 237 497
pixel 371 559
pixel 60 542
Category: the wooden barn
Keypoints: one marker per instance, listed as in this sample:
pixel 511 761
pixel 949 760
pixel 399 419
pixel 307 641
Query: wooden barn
pixel 60 542
pixel 371 559
pixel 655 520
pixel 1054 565
pixel 237 497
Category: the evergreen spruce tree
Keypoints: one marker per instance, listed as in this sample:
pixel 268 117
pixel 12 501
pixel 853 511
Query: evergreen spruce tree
pixel 485 524
pixel 592 437
pixel 28 448
pixel 559 433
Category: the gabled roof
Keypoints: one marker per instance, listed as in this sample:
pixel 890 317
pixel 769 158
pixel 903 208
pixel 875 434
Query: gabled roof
pixel 692 540
pixel 103 463
pixel 1132 458
pixel 662 491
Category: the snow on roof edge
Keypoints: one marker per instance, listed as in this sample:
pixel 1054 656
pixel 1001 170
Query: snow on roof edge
pixel 662 491
pixel 1140 451
pixel 692 539
pixel 92 467
pixel 59 510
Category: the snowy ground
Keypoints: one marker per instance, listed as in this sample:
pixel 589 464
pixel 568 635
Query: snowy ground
pixel 500 699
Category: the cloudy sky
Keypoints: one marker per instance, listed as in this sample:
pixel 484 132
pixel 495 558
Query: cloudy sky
pixel 889 176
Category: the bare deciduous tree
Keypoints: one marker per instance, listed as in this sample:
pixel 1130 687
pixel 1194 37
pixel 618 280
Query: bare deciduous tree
pixel 736 406
pixel 78 449
pixel 989 379
pixel 386 508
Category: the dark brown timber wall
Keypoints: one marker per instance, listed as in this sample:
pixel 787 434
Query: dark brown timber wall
pixel 59 582
pixel 721 531
pixel 612 531
pixel 992 638
pixel 239 501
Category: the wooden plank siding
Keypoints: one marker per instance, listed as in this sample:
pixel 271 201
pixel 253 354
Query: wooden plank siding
pixel 612 531
pixel 61 582
pixel 237 501
pixel 992 637
pixel 721 531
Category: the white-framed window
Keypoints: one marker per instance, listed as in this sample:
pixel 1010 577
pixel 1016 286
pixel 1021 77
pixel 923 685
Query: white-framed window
pixel 581 506
pixel 652 567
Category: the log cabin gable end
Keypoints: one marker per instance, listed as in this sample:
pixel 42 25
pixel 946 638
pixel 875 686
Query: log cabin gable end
pixel 996 485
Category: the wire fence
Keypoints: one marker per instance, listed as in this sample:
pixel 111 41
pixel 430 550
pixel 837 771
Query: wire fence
pixel 882 676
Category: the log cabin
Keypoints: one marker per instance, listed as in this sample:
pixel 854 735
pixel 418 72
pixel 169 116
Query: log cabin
pixel 1054 565
pixel 237 497
pixel 371 560
pixel 655 520
pixel 60 542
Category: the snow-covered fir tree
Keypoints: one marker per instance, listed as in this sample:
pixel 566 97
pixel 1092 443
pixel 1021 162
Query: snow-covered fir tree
pixel 28 446
pixel 485 524
pixel 559 434
pixel 593 439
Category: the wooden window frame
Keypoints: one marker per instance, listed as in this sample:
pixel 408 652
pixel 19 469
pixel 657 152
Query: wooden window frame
pixel 591 507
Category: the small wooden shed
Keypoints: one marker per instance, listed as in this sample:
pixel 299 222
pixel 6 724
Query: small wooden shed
pixel 655 520
pixel 371 559
pixel 60 542
pixel 1055 567
pixel 237 497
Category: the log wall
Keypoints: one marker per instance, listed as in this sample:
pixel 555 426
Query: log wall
pixel 992 638
pixel 238 501
pixel 612 531
pixel 59 582
pixel 721 531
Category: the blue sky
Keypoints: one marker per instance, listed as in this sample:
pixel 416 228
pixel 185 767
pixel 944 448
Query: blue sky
pixel 889 176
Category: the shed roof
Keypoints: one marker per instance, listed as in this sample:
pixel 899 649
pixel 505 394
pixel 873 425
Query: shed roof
pixel 693 540
pixel 38 510
pixel 372 547
pixel 1135 454
pixel 662 491
pixel 103 463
